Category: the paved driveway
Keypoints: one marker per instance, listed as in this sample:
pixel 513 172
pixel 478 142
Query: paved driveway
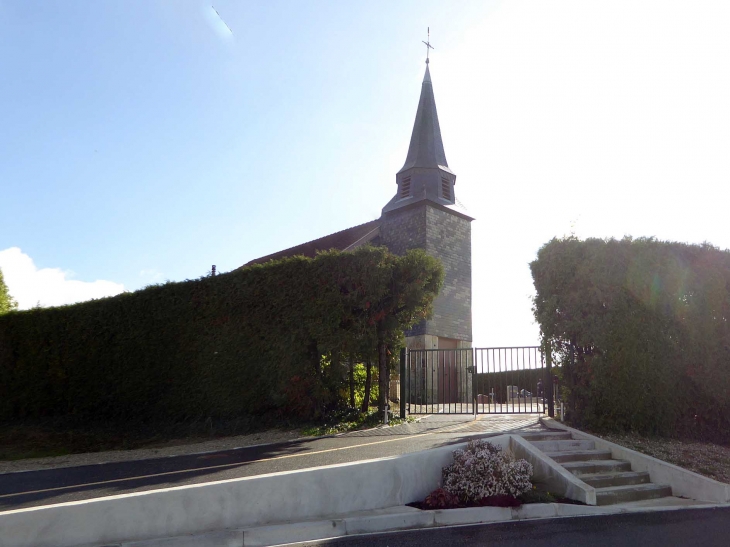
pixel 33 488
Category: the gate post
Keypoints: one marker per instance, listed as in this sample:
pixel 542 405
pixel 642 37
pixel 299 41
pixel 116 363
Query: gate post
pixel 549 387
pixel 474 387
pixel 403 383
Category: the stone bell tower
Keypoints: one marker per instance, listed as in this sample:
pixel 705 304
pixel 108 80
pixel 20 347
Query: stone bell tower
pixel 424 214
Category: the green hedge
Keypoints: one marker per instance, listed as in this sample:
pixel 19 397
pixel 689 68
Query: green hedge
pixel 649 324
pixel 256 340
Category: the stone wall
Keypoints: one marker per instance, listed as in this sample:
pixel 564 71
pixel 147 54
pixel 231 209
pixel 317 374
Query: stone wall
pixel 402 230
pixel 446 236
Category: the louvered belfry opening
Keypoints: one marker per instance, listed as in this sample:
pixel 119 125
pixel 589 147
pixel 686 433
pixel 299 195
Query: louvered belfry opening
pixel 405 187
pixel 446 188
pixel 425 175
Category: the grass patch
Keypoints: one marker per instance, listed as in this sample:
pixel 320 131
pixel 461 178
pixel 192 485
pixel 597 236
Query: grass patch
pixel 352 420
pixel 708 459
pixel 18 454
pixel 56 437
pixel 27 439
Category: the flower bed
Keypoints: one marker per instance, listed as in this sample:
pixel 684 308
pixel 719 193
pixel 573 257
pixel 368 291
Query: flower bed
pixel 482 475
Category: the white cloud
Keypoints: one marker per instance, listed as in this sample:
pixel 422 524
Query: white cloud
pixel 48 286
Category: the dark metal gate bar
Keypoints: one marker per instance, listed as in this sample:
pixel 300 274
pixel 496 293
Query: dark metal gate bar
pixel 514 380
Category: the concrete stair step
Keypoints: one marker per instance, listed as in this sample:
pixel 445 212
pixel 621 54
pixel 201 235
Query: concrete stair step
pixel 635 492
pixel 545 435
pixel 579 455
pixel 580 469
pixel 625 478
pixel 564 445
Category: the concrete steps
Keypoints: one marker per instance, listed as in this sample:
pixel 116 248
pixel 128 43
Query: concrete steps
pixel 632 492
pixel 596 466
pixel 563 444
pixel 613 480
pixel 617 478
pixel 536 436
pixel 566 456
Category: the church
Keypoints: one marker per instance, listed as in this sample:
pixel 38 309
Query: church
pixel 423 214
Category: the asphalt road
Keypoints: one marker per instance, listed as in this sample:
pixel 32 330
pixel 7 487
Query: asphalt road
pixel 702 527
pixel 34 488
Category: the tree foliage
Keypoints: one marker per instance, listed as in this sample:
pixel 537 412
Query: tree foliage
pixel 266 338
pixel 7 303
pixel 648 322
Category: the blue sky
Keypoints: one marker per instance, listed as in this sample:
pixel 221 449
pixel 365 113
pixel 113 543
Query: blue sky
pixel 141 141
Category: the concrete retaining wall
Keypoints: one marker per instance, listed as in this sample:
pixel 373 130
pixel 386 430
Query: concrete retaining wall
pixel 308 494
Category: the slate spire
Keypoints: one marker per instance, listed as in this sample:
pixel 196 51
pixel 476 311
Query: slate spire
pixel 425 176
pixel 426 148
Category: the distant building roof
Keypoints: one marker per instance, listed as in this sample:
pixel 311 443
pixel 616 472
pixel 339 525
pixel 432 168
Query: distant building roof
pixel 342 241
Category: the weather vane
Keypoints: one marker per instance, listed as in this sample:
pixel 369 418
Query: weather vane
pixel 428 42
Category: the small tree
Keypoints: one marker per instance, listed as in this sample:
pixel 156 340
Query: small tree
pixel 373 303
pixel 412 283
pixel 7 302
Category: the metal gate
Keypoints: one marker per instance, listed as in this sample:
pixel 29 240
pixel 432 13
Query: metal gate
pixel 507 380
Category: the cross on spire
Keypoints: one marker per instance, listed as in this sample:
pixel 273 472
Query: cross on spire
pixel 428 42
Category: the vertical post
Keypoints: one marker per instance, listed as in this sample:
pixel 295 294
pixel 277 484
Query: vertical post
pixel 474 379
pixel 403 380
pixel 549 362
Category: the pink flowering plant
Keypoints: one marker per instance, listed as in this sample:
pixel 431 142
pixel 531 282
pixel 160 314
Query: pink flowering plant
pixel 483 470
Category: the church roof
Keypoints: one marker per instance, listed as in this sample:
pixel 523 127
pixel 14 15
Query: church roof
pixel 426 148
pixel 425 153
pixel 341 241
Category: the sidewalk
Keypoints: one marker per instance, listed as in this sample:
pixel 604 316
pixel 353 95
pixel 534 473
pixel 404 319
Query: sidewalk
pixel 452 423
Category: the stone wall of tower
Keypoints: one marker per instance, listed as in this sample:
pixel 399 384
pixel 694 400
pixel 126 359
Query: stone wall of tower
pixel 402 230
pixel 446 236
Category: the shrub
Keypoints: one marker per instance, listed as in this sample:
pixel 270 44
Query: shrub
pixel 441 499
pixel 483 470
pixel 641 334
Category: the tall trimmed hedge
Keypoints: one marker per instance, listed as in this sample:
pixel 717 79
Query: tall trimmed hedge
pixel 256 340
pixel 649 322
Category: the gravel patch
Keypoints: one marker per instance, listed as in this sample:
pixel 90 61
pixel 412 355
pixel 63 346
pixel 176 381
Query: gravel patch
pixel 171 448
pixel 710 460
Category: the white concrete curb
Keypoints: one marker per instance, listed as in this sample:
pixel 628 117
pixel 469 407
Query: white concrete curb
pixel 683 482
pixel 399 518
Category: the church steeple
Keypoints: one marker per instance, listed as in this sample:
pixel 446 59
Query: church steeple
pixel 426 148
pixel 424 214
pixel 425 175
